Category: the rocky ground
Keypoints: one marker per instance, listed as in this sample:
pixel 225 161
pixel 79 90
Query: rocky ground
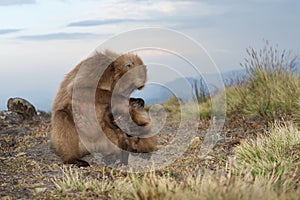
pixel 29 165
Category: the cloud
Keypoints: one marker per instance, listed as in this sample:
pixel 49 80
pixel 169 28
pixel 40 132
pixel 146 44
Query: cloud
pixel 16 2
pixel 59 36
pixel 7 31
pixel 103 22
pixel 167 13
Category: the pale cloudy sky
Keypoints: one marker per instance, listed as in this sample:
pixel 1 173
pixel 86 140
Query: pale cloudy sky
pixel 41 40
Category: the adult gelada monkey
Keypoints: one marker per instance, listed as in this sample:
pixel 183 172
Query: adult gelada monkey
pixel 71 145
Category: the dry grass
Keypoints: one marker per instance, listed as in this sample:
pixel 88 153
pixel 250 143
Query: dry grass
pixel 275 156
pixel 266 168
pixel 272 90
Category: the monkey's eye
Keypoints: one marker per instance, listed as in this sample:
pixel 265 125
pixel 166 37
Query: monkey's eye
pixel 129 64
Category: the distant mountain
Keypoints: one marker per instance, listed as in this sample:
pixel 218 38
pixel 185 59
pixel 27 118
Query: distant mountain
pixel 297 68
pixel 154 93
pixel 159 94
pixel 183 88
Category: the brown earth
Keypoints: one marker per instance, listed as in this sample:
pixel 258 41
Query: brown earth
pixel 29 165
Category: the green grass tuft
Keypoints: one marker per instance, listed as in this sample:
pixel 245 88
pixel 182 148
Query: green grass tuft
pixel 274 156
pixel 271 90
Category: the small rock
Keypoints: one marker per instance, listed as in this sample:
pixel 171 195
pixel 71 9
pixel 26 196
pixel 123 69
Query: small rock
pixel 22 107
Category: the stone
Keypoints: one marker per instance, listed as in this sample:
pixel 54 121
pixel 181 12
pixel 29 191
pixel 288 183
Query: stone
pixel 22 107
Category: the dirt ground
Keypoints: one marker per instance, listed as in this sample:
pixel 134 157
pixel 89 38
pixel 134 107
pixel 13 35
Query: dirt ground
pixel 28 164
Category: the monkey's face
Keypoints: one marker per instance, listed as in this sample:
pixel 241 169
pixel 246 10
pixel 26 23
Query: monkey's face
pixel 130 74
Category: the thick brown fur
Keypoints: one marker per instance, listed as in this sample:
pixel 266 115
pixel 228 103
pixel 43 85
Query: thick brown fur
pixel 64 135
pixel 141 120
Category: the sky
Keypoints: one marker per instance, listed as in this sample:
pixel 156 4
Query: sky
pixel 42 40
